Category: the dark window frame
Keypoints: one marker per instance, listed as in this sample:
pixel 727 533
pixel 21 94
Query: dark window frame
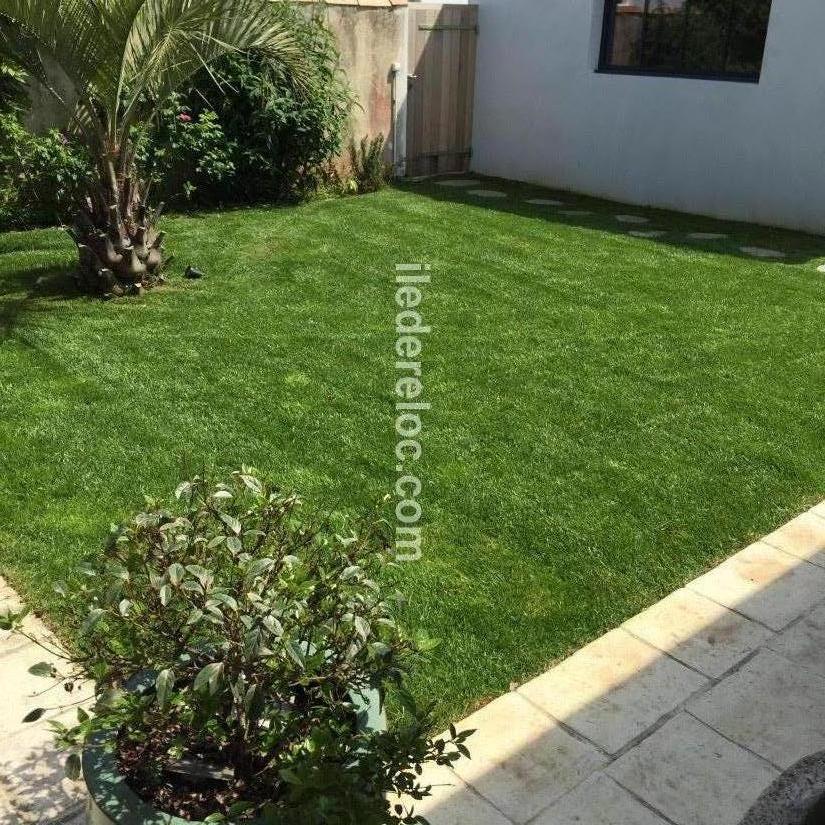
pixel 606 48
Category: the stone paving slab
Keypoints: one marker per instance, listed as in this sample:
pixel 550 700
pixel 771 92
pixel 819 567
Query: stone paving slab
pixel 29 690
pixel 699 632
pixel 598 801
pixel 613 689
pixel 522 760
pixel 771 706
pixel 453 802
pixel 765 584
pixel 33 778
pixel 693 775
pixel 804 641
pixel 803 537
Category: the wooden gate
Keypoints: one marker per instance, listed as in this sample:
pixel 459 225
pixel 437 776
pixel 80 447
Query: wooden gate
pixel 441 84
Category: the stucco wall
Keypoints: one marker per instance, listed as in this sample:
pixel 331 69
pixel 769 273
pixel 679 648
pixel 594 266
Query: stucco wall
pixel 370 40
pixel 733 150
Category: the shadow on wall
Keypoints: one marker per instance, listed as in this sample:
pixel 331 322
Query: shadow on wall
pixel 710 235
pixel 685 714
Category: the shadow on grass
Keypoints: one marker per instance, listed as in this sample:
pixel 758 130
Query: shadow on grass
pixel 743 240
pixel 33 290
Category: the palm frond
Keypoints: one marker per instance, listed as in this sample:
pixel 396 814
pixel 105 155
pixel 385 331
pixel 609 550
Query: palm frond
pixel 172 39
pixel 121 55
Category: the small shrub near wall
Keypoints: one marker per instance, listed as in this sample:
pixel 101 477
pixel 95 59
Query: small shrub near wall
pixel 259 138
pixel 368 169
pixel 41 176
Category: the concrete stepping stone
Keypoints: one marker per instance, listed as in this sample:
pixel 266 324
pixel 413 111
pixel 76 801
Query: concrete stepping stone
pixel 544 202
pixel 458 183
pixel 772 707
pixel 803 537
pixel 575 213
pixel 764 584
pixel 652 233
pixel 487 193
pixel 707 236
pixel 614 689
pixel 670 770
pixel 631 219
pixel 699 632
pixel 598 801
pixel 522 760
pixel 761 252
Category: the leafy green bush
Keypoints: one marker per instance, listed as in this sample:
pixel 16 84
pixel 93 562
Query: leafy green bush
pixel 188 157
pixel 258 630
pixel 277 139
pixel 41 176
pixel 367 165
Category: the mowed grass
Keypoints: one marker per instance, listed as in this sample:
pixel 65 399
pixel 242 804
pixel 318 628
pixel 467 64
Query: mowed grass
pixel 610 415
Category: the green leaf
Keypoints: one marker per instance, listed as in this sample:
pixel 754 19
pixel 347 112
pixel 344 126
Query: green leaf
pixel 252 483
pixel 176 572
pixel 362 626
pixel 232 523
pixel 92 618
pixel 82 716
pixel 239 807
pixel 42 669
pixel 195 616
pixel 163 684
pixel 296 654
pixel 234 544
pixel 380 649
pixel 165 594
pixel 273 625
pixel 72 766
pixel 209 677
pixel 34 715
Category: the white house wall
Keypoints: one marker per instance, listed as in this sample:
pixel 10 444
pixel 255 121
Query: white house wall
pixel 754 152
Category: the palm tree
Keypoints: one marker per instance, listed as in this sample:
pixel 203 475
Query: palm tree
pixel 123 59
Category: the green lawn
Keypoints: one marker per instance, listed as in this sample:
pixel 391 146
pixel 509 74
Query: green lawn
pixel 611 415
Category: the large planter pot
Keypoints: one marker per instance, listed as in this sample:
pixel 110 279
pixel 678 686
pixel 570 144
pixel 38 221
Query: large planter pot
pixel 113 802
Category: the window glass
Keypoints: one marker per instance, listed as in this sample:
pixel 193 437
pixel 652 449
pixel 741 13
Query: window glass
pixel 716 38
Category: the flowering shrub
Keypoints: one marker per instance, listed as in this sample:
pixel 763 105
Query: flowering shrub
pixel 188 157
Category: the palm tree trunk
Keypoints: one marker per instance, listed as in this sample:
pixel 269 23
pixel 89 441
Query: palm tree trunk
pixel 119 247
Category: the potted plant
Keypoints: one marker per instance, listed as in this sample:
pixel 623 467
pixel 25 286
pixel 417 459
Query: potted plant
pixel 240 655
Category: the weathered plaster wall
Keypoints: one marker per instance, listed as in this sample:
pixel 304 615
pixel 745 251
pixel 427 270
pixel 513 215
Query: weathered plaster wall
pixel 371 40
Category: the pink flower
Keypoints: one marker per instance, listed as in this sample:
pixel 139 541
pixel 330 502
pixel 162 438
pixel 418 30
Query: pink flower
pixel 184 118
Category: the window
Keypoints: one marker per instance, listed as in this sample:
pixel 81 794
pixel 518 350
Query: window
pixel 689 38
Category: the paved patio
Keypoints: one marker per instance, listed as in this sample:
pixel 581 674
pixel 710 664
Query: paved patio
pixel 683 715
